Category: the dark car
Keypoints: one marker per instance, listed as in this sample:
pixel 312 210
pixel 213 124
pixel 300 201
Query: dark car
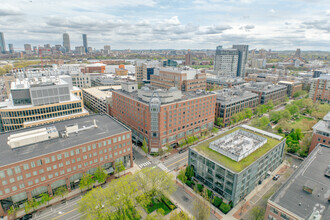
pixel 181 151
pixel 276 177
pixel 26 217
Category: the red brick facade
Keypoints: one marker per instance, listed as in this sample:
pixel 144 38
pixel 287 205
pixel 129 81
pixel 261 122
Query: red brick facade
pixel 42 171
pixel 195 114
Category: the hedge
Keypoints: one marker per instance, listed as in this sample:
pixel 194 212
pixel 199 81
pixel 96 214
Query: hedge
pixel 225 208
pixel 200 187
pixel 217 201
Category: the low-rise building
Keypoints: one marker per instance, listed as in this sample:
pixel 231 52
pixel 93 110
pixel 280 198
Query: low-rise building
pixel 40 101
pixel 320 89
pixel 232 101
pixel 185 79
pixel 235 162
pixel 224 82
pixel 42 159
pixel 321 133
pixel 163 117
pixel 267 91
pixel 292 87
pixel 305 195
pixel 99 99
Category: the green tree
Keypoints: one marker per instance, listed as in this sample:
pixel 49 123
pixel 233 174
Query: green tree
pixel 145 147
pixel 182 176
pixel 179 216
pixel 100 175
pixel 12 212
pixel 61 191
pixel 293 109
pixel 248 112
pixel 86 181
pixel 269 105
pixel 285 114
pixel 189 172
pixel 45 198
pixel 201 209
pixel 119 167
pixel 258 213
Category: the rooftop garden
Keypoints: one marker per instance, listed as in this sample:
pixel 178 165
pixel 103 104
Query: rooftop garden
pixel 203 148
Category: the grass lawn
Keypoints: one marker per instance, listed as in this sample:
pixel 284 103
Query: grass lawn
pixel 204 149
pixel 157 204
pixel 305 124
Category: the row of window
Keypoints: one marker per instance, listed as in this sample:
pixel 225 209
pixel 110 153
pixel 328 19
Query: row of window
pixel 56 174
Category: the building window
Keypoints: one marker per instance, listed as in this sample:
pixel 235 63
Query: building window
pixel 28 175
pixel 59 156
pixel 4 182
pixel 17 170
pixel 47 160
pixel 2 174
pixel 19 178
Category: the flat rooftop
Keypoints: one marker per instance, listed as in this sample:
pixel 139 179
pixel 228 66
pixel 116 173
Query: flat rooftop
pixel 101 92
pixel 238 144
pixel 106 127
pixel 309 175
pixel 185 96
pixel 237 166
pixel 263 87
pixel 229 96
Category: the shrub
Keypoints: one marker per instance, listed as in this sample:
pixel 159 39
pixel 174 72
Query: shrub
pixel 200 187
pixel 189 183
pixel 209 193
pixel 225 208
pixel 217 201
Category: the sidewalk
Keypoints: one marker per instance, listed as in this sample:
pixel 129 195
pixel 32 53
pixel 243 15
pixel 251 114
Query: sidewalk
pixel 252 198
pixel 77 192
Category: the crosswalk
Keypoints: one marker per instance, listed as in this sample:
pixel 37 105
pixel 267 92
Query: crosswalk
pixel 144 164
pixel 163 167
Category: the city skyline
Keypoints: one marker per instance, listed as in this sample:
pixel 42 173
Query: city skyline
pixel 201 24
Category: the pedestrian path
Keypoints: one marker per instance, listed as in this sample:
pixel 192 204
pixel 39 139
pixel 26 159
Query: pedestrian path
pixel 163 167
pixel 144 164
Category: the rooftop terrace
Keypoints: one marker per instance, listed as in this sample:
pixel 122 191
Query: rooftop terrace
pixel 237 166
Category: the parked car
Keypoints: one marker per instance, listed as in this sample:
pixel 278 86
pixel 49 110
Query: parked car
pixel 276 177
pixel 181 151
pixel 26 217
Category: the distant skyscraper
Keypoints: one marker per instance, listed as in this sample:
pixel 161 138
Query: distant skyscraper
pixel 2 43
pixel 188 58
pixel 85 42
pixel 11 48
pixel 66 42
pixel 107 49
pixel 298 53
pixel 243 51
pixel 27 48
pixel 226 62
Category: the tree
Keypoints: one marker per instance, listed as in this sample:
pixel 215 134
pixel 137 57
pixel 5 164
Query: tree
pixel 248 112
pixel 189 172
pixel 119 167
pixel 293 109
pixel 86 181
pixel 12 211
pixel 258 213
pixel 61 191
pixel 179 216
pixel 145 146
pixel 285 114
pixel 182 176
pixel 269 105
pixel 100 175
pixel 45 198
pixel 201 209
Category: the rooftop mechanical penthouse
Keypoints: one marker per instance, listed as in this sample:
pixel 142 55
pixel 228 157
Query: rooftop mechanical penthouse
pixel 234 163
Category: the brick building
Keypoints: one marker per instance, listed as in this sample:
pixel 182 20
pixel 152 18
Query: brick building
pixel 41 159
pixel 185 79
pixel 320 89
pixel 305 195
pixel 321 133
pixel 267 91
pixel 232 101
pixel 163 117
pixel 94 68
pixel 292 87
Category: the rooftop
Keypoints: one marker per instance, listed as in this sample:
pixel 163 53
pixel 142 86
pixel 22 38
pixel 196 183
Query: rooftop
pixel 238 145
pixel 106 126
pixel 262 87
pixel 233 95
pixel 237 166
pixel 102 92
pixel 307 190
pixel 323 125
pixel 185 95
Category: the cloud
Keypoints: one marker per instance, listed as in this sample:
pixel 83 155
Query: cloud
pixel 247 28
pixel 216 29
pixel 9 10
pixel 323 25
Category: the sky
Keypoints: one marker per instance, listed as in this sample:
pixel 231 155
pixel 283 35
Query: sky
pixel 171 24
